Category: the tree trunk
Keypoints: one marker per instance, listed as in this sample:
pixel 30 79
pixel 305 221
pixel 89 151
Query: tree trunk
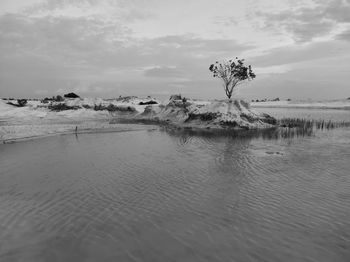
pixel 227 90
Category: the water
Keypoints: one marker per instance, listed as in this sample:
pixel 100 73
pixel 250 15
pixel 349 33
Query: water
pixel 166 195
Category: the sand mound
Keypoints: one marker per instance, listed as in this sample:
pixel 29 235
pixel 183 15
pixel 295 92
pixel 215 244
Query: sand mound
pixel 217 114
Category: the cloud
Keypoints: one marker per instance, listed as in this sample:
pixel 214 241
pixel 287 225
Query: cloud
pixel 58 36
pixel 89 52
pixel 164 72
pixel 112 10
pixel 327 81
pixel 225 21
pixel 345 35
pixel 281 69
pixel 15 5
pixel 306 23
pixel 294 54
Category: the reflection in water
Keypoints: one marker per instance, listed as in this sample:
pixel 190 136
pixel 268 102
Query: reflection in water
pixel 287 128
pixel 176 196
pixel 268 134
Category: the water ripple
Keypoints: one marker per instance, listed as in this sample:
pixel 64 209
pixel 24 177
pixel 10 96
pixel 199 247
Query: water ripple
pixel 157 196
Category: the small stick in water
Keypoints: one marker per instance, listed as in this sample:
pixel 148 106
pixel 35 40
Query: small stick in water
pixel 76 129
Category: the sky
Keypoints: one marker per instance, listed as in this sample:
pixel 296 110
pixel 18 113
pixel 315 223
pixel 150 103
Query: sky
pixel 299 49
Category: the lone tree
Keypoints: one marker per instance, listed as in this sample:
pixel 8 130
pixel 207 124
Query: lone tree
pixel 233 73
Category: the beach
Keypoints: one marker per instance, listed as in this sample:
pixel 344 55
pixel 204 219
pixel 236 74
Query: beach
pixel 23 123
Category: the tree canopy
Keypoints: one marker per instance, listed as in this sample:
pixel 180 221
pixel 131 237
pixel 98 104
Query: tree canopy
pixel 233 73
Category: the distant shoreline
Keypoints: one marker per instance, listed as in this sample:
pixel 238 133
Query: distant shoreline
pixel 303 107
pixel 338 105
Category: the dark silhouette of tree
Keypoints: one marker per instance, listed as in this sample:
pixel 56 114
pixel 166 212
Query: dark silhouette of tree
pixel 233 73
pixel 71 95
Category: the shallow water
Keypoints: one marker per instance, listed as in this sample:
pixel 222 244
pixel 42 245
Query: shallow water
pixel 166 195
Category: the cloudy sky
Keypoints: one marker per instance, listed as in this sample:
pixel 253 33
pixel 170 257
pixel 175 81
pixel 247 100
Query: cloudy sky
pixel 106 48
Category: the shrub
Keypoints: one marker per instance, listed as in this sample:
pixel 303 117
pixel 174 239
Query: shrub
pixel 46 100
pixel 237 104
pixel 245 104
pixel 86 106
pixel 229 123
pixel 175 97
pixel 151 102
pixel 113 108
pixel 71 95
pixel 61 107
pixel 59 98
pixel 204 117
pixel 22 102
pixel 249 118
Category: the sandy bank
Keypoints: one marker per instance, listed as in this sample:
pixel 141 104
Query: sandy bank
pixel 35 121
pixel 225 114
pixel 38 119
